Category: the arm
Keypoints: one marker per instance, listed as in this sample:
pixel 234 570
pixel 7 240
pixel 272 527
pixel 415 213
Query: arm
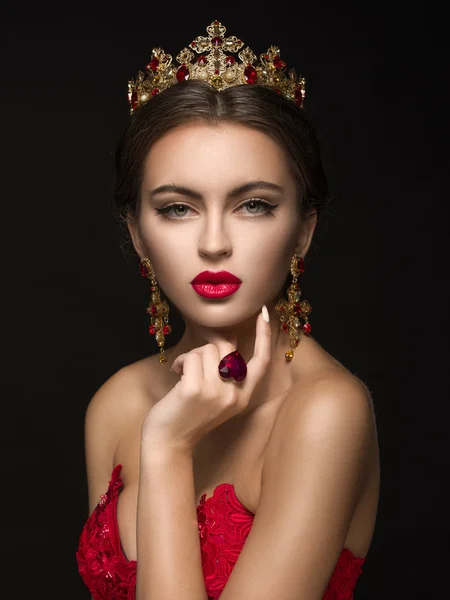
pixel 112 411
pixel 168 544
pixel 313 475
pixel 168 541
pixel 99 441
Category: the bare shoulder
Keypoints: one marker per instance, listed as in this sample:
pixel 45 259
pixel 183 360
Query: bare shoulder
pixel 320 377
pixel 121 402
pixel 329 399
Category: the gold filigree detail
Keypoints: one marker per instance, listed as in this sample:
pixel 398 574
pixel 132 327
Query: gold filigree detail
pixel 217 66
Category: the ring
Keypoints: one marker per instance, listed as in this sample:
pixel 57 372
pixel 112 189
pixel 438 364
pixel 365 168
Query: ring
pixel 233 367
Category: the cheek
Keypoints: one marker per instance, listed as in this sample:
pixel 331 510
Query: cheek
pixel 268 267
pixel 161 240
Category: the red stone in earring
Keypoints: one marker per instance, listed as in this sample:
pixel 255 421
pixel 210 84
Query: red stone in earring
pixel 291 310
pixel 157 309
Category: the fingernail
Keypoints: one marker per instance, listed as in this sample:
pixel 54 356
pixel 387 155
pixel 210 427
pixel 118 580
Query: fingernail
pixel 265 314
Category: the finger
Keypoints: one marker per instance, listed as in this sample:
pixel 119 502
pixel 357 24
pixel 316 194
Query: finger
pixel 257 365
pixel 178 363
pixel 212 357
pixel 190 366
pixel 223 346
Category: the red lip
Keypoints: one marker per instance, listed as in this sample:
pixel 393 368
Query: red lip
pixel 218 277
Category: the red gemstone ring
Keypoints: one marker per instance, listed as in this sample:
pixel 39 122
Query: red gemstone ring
pixel 233 367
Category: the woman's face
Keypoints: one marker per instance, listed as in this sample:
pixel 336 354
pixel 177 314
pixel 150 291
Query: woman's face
pixel 200 168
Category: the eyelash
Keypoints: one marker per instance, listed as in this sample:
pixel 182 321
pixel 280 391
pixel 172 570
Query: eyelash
pixel 269 212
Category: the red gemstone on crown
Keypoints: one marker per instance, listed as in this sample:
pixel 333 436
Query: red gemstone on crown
pixel 201 60
pixel 277 62
pixel 155 91
pixel 154 64
pixel 298 96
pixel 183 73
pixel 229 60
pixel 250 74
pixel 233 366
pixel 217 41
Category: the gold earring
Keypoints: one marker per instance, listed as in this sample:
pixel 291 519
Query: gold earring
pixel 291 310
pixel 157 309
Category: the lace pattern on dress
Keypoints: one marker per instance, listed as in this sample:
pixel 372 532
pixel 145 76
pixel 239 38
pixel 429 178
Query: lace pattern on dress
pixel 223 525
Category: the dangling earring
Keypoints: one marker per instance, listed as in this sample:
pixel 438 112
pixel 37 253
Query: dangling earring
pixel 290 310
pixel 157 309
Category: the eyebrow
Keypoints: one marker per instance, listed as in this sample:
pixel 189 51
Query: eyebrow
pixel 236 191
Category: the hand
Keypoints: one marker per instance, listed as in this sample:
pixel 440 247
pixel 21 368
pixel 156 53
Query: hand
pixel 201 400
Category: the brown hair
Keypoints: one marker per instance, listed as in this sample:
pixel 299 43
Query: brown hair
pixel 254 106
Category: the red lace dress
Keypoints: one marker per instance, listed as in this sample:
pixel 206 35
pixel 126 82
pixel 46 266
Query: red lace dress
pixel 223 523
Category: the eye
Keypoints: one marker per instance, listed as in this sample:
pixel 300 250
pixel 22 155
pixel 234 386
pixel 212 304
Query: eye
pixel 251 204
pixel 258 203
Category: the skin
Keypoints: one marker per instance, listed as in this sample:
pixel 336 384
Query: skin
pixel 310 438
pixel 216 233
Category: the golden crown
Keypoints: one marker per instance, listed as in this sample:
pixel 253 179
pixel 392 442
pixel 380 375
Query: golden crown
pixel 216 66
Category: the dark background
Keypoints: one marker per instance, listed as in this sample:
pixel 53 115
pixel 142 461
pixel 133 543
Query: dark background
pixel 376 276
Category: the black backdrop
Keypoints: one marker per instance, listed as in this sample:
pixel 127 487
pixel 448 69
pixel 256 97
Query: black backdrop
pixel 376 276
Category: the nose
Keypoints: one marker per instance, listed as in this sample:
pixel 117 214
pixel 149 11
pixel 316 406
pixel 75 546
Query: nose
pixel 214 240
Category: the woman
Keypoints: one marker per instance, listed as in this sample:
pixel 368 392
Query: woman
pixel 243 461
